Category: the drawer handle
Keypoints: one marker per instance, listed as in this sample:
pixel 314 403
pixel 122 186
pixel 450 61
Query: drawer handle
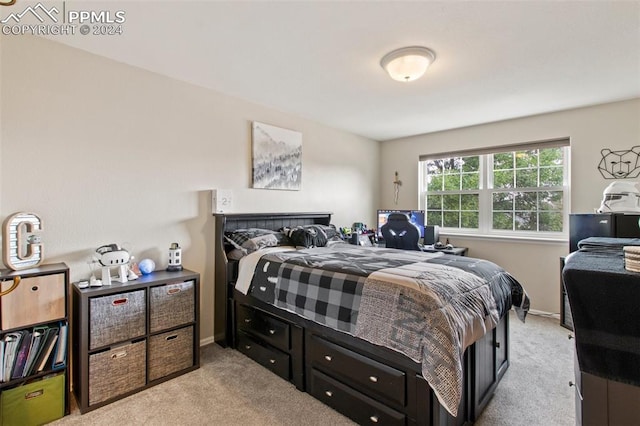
pixel 247 320
pixel 118 302
pixel 34 288
pixel 271 331
pixel 570 336
pixel 328 393
pixel 171 337
pixel 328 358
pixel 577 390
pixel 16 283
pixel 247 346
pixel 272 361
pixel 496 344
pixel 173 291
pixel 119 355
pixel 374 379
pixel 374 419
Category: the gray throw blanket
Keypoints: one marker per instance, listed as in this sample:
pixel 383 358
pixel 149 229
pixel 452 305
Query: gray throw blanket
pixel 430 313
pixel 606 244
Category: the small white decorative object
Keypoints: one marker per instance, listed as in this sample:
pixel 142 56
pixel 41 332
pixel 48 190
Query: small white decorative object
pixel 22 244
pixel 221 200
pixel 620 197
pixel 175 258
pixel 111 255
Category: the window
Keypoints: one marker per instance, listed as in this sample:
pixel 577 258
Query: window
pixel 494 191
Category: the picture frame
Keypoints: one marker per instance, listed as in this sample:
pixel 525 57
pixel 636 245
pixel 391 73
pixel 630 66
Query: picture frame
pixel 276 157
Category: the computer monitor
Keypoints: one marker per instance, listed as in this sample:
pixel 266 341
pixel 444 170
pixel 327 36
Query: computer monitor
pixel 415 216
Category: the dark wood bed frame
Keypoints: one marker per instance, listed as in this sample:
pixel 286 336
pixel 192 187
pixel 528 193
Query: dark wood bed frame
pixel 368 383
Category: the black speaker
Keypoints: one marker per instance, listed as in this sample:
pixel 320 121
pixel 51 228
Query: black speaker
pixel 431 234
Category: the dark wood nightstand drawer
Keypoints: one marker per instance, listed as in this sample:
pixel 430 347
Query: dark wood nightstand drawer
pixel 372 377
pixel 272 358
pixel 270 329
pixel 346 400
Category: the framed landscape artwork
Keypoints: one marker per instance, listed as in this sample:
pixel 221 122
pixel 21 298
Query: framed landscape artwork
pixel 277 157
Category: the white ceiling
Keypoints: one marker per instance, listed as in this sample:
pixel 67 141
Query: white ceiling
pixel 320 59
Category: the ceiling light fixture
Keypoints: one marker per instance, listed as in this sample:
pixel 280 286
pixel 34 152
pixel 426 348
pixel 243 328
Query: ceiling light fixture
pixel 408 63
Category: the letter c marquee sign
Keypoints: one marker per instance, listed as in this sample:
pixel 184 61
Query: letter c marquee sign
pixel 21 242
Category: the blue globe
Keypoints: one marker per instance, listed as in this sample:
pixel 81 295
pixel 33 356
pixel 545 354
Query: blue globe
pixel 146 266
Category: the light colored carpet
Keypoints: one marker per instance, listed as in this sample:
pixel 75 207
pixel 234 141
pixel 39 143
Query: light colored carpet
pixel 231 389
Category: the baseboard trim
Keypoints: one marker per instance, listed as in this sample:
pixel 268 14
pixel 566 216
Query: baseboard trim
pixel 544 314
pixel 207 341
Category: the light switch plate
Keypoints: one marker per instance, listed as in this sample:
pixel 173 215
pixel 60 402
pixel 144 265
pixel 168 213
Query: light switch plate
pixel 221 200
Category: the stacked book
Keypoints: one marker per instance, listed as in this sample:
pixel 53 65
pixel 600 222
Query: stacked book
pixel 632 258
pixel 27 352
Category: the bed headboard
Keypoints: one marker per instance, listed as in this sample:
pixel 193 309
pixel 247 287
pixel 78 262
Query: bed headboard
pixel 224 270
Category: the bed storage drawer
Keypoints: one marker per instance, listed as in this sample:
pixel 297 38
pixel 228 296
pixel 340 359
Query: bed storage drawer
pixel 170 352
pixel 273 359
pixel 358 371
pixel 268 328
pixel 171 305
pixel 352 403
pixel 116 318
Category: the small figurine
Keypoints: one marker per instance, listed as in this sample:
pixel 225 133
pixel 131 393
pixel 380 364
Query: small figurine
pixel 175 258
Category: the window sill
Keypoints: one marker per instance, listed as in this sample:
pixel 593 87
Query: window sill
pixel 498 237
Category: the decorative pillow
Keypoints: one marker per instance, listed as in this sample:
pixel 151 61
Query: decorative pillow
pixel 330 230
pixel 311 235
pixel 236 254
pixel 336 240
pixel 252 239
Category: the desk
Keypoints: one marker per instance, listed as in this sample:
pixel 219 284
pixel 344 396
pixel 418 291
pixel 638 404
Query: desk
pixel 457 251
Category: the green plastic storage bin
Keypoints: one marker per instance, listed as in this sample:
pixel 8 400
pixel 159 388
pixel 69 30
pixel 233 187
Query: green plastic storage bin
pixel 35 403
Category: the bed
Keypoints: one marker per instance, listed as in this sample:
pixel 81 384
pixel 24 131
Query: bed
pixel 381 335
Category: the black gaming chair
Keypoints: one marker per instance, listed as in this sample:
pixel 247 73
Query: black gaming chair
pixel 400 233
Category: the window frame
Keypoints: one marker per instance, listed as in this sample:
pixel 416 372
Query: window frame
pixel 485 191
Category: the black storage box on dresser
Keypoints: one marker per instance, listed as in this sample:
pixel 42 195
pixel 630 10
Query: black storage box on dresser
pixel 130 336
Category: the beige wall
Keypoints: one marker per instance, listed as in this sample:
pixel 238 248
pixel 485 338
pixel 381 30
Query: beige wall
pixel 105 152
pixel 536 265
pixel 108 153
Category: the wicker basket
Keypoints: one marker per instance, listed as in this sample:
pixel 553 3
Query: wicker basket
pixel 170 352
pixel 117 371
pixel 171 305
pixel 116 318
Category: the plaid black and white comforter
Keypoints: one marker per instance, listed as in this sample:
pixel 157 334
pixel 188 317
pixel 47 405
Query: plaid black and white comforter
pixel 428 306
